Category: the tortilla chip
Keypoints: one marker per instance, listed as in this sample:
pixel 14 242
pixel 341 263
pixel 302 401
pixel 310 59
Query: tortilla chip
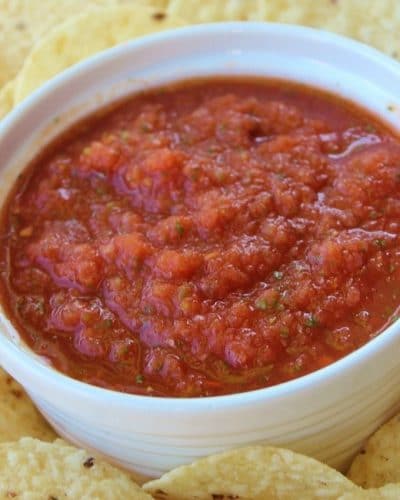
pixel 24 22
pixel 80 37
pixel 31 469
pixel 388 492
pixel 376 23
pixel 256 473
pixel 379 462
pixel 6 98
pixel 222 10
pixel 18 416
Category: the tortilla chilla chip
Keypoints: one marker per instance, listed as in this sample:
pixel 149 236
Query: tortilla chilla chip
pixel 95 30
pixel 376 23
pixel 6 98
pixel 24 22
pixel 31 469
pixel 388 492
pixel 256 473
pixel 378 462
pixel 18 416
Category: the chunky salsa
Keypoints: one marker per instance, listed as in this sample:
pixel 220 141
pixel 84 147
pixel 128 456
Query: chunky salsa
pixel 207 238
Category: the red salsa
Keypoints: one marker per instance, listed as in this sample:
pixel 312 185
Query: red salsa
pixel 207 238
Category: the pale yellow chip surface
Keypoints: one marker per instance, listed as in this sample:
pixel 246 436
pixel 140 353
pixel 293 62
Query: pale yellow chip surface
pixel 375 22
pixel 388 492
pixel 18 416
pixel 256 473
pixel 6 98
pixel 84 35
pixel 31 469
pixel 24 22
pixel 378 462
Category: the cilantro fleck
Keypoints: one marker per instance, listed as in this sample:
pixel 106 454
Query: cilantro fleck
pixel 222 127
pixel 284 331
pixel 145 127
pixel 124 135
pixel 370 128
pixel 311 321
pixel 38 305
pixel 139 378
pixel 298 365
pixel 179 228
pixel 100 190
pixel 262 304
pixel 374 214
pixel 278 275
pixel 184 291
pixel 107 323
pixel 380 243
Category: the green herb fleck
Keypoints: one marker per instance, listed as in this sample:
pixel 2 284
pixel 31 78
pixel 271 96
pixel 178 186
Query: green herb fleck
pixel 374 214
pixel 278 275
pixel 284 332
pixel 311 321
pixel 124 135
pixel 145 127
pixel 179 228
pixel 100 190
pixel 370 128
pixel 184 291
pixel 298 365
pixel 380 243
pixel 107 323
pixel 139 378
pixel 262 304
pixel 222 127
pixel 38 305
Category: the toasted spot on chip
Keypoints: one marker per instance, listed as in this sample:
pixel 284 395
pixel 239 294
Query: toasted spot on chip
pixel 257 473
pixel 6 98
pixel 32 469
pixel 378 462
pixel 96 29
pixel 388 492
pixel 18 415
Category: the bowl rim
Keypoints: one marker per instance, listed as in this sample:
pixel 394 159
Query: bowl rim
pixel 168 404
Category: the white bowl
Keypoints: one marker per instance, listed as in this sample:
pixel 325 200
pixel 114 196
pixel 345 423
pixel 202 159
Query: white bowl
pixel 326 414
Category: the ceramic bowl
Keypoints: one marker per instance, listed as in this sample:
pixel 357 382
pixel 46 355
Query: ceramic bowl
pixel 326 414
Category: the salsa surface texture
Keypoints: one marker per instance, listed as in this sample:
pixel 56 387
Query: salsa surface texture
pixel 208 238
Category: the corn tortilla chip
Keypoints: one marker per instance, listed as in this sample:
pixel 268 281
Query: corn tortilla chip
pixel 373 22
pixel 31 469
pixel 256 473
pixel 80 37
pixel 18 416
pixel 388 492
pixel 24 22
pixel 6 98
pixel 379 462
